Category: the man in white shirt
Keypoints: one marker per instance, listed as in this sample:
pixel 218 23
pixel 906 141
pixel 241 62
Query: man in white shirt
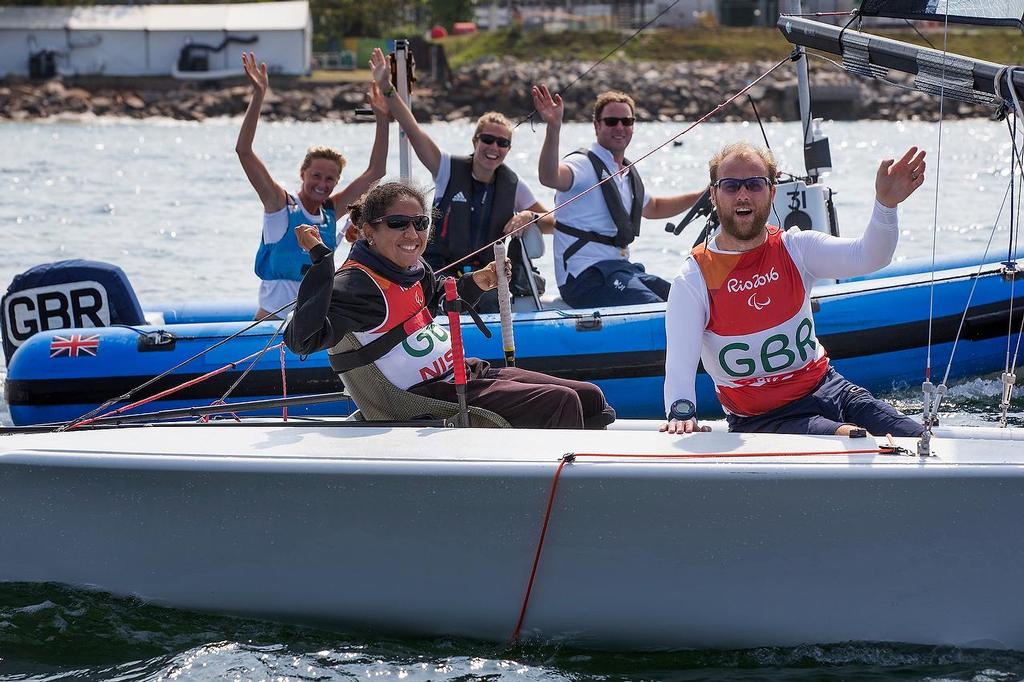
pixel 593 232
pixel 742 306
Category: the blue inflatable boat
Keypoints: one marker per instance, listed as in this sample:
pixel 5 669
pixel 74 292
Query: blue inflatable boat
pixel 82 338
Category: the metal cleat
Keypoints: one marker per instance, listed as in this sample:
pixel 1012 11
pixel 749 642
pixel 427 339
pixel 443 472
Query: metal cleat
pixel 891 448
pixel 1008 379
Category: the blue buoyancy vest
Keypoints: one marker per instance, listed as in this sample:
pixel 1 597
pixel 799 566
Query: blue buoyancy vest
pixel 285 259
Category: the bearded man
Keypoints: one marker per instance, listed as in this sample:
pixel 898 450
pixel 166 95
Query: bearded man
pixel 742 306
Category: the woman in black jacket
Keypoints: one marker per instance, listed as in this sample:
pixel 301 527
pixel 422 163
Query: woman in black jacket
pixel 384 294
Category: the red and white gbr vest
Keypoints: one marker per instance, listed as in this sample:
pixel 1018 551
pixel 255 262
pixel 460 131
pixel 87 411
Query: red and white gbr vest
pixel 759 345
pixel 426 352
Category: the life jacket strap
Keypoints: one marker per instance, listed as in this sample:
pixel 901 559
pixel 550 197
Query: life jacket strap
pixel 583 237
pixel 371 352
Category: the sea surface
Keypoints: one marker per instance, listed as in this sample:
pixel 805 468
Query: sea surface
pixel 167 201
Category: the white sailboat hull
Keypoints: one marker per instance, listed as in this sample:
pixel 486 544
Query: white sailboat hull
pixel 434 531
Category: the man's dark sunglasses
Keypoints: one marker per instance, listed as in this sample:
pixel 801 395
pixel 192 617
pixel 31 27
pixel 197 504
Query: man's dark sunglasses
pixel 502 142
pixel 420 223
pixel 612 121
pixel 758 183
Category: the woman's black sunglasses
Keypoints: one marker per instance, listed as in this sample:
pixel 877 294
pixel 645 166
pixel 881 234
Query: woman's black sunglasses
pixel 420 223
pixel 502 142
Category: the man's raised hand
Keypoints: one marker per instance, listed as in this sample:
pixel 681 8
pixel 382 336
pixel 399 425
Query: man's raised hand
pixel 897 180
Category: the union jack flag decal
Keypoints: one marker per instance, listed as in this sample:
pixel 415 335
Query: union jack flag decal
pixel 73 346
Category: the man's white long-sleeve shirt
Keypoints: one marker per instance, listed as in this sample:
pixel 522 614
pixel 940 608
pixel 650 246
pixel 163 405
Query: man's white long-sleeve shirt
pixel 751 326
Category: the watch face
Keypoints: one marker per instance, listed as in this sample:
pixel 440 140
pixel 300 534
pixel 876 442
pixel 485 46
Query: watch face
pixel 682 409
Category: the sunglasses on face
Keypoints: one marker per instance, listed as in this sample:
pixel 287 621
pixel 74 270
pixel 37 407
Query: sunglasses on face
pixel 612 121
pixel 502 142
pixel 420 223
pixel 758 183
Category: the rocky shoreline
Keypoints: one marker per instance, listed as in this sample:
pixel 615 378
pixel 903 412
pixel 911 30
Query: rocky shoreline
pixel 680 91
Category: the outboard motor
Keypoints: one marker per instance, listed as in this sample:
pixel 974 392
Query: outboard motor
pixel 64 295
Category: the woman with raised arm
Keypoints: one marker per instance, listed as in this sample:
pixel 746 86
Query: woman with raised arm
pixel 477 197
pixel 384 294
pixel 280 262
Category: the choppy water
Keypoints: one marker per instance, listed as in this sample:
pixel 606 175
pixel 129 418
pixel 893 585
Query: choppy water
pixel 167 202
pixel 49 632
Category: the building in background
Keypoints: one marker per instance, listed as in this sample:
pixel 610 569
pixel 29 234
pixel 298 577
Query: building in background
pixel 195 42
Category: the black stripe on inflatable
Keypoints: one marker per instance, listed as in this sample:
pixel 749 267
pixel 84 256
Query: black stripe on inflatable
pixel 259 383
pixel 983 322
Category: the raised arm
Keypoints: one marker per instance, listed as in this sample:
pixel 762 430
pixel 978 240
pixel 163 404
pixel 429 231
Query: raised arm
pixel 828 257
pixel 270 193
pixel 426 151
pixel 377 167
pixel 666 207
pixel 329 305
pixel 550 172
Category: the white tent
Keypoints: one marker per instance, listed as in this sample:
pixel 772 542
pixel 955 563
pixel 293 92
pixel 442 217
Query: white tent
pixel 147 40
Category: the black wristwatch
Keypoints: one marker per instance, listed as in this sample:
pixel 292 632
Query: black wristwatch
pixel 682 410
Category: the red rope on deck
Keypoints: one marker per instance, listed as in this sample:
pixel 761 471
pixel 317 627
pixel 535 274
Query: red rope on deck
pixel 540 546
pixel 571 457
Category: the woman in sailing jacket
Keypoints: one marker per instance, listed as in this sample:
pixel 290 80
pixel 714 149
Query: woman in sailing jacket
pixel 384 294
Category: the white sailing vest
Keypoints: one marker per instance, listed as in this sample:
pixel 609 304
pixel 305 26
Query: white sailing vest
pixel 759 345
pixel 426 352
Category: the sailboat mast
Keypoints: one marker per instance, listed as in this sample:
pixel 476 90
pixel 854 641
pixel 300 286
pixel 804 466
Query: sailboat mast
pixel 402 83
pixel 802 80
pixel 817 157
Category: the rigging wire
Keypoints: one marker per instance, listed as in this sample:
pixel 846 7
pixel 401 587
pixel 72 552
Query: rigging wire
pixel 970 295
pixel 931 399
pixel 1009 377
pixel 767 144
pixel 259 356
pixel 923 36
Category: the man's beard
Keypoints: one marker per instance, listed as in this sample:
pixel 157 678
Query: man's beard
pixel 745 232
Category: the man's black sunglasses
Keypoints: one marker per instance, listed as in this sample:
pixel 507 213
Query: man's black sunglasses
pixel 758 183
pixel 612 121
pixel 502 142
pixel 420 223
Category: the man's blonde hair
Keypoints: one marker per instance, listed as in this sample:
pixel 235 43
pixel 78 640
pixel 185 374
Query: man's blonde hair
pixel 329 153
pixel 743 149
pixel 609 96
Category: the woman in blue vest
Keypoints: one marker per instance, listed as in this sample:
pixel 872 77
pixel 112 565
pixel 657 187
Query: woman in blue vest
pixel 477 198
pixel 280 262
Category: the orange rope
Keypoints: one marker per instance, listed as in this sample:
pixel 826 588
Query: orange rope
pixel 709 455
pixel 571 457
